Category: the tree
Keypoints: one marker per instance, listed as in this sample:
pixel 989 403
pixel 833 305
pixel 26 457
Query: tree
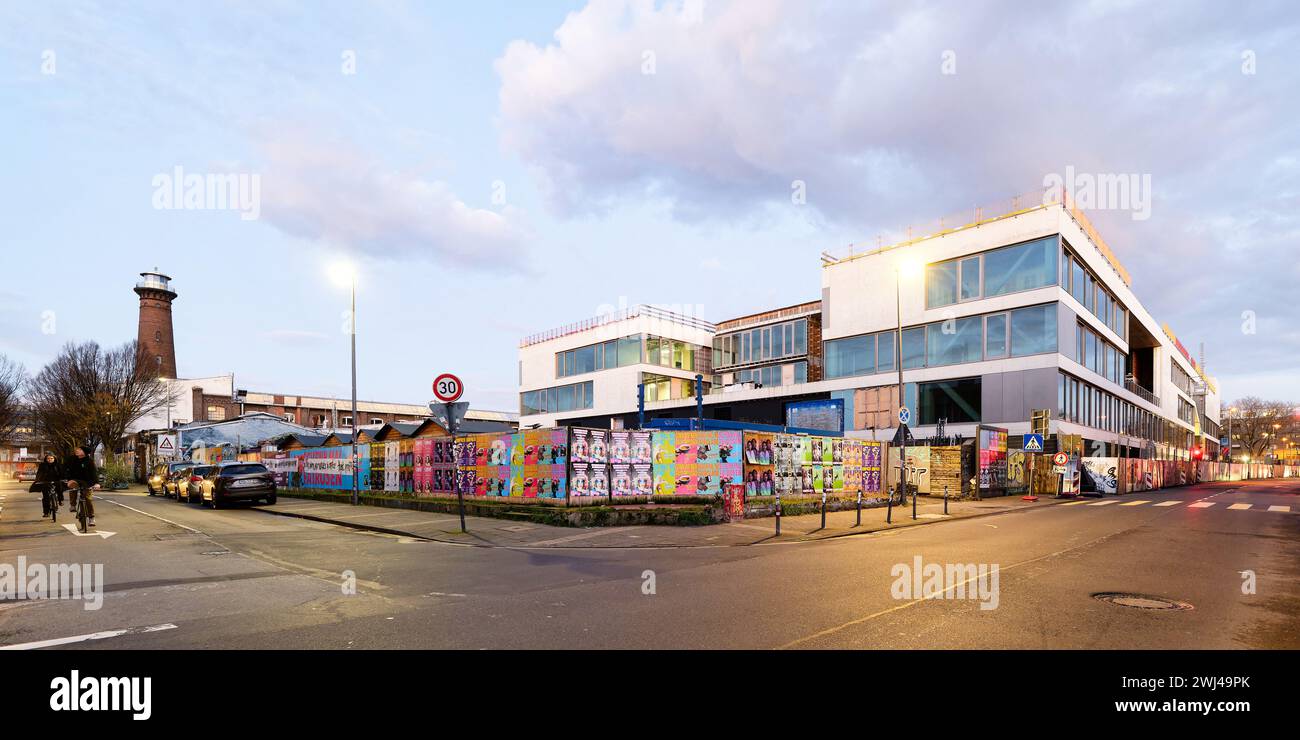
pixel 12 379
pixel 88 395
pixel 1259 425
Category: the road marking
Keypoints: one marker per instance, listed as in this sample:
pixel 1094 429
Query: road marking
pixel 1283 509
pixel 1239 507
pixel 1104 503
pixel 1136 503
pixel 154 516
pixel 89 637
pixel 1202 504
pixel 97 533
pixel 1076 503
pixel 1169 503
pixel 583 536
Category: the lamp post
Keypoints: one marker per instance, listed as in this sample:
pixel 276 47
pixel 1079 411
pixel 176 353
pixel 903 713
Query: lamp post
pixel 908 267
pixel 345 273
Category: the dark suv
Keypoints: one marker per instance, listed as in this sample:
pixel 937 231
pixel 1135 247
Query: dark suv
pixel 240 481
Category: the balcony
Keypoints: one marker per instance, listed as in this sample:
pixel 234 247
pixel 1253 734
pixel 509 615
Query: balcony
pixel 1132 386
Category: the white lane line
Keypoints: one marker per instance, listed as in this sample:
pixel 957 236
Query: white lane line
pixel 1239 507
pixel 1136 503
pixel 89 637
pixel 1169 503
pixel 1283 509
pixel 583 536
pixel 1202 504
pixel 153 516
pixel 1104 503
pixel 1076 503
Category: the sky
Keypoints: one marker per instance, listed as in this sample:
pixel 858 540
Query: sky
pixel 495 169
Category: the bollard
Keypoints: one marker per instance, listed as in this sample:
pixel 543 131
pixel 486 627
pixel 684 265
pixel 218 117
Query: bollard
pixel 945 501
pixel 823 511
pixel 889 509
pixel 859 524
pixel 778 514
pixel 914 504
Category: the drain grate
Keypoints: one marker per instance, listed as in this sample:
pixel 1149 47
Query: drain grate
pixel 1141 601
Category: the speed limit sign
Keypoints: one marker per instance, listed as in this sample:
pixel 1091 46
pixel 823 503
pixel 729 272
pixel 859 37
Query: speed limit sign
pixel 447 388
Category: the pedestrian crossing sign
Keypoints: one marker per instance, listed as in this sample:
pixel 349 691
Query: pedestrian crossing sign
pixel 1033 443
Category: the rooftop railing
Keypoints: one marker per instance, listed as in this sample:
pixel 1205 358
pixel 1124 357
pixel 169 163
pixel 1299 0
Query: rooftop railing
pixel 616 316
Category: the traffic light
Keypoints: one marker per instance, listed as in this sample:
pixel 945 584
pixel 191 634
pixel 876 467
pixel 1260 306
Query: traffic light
pixel 1197 453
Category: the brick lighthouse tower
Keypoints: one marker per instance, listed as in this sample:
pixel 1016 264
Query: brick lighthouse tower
pixel 155 337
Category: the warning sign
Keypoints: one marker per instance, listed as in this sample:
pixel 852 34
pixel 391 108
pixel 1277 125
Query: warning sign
pixel 1033 443
pixel 167 444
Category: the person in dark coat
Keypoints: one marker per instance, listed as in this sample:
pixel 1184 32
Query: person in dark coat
pixel 47 473
pixel 80 473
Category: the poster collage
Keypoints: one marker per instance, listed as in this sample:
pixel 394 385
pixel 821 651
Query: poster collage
pixel 992 458
pixel 594 463
pixel 790 465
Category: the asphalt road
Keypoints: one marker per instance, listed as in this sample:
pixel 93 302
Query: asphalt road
pixel 177 576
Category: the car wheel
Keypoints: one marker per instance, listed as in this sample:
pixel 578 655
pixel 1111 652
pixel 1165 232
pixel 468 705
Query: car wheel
pixel 270 500
pixel 215 504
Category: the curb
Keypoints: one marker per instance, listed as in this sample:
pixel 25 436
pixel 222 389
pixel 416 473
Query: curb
pixel 757 543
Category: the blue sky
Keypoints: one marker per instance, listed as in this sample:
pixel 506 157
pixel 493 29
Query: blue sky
pixel 637 152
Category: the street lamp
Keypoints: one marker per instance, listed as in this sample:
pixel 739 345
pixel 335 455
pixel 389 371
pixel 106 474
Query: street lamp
pixel 344 273
pixel 910 268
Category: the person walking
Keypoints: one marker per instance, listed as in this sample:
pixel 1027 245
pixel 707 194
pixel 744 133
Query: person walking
pixel 81 474
pixel 48 473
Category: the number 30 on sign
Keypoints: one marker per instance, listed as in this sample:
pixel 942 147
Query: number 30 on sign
pixel 447 388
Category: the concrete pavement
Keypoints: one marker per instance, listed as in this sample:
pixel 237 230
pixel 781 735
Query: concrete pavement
pixel 240 578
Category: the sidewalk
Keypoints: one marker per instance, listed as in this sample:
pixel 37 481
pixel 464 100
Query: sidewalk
pixel 489 532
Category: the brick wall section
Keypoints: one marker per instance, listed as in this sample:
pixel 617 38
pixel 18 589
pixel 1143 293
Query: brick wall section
pixel 815 348
pixel 945 470
pixel 154 337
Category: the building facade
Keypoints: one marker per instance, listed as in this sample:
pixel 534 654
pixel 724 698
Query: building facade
pixel 989 321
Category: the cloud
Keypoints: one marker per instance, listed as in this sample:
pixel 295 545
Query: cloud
pixel 330 193
pixel 856 103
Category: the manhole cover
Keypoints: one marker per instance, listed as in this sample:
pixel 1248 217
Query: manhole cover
pixel 1141 601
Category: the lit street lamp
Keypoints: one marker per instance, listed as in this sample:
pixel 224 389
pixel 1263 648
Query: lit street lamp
pixel 344 273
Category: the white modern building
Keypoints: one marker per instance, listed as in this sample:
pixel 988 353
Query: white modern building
pixel 592 369
pixel 1001 314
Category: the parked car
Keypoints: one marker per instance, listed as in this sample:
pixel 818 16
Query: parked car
pixel 158 479
pixel 177 479
pixel 238 481
pixel 199 485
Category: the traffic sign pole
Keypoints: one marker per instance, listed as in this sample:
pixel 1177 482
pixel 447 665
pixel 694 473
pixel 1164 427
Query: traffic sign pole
pixel 448 389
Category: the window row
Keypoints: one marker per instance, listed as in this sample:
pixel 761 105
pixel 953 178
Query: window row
pixel 1098 355
pixel 1186 411
pixel 1079 282
pixel 1016 333
pixel 573 397
pixel 1182 381
pixel 763 343
pixel 677 354
pixel 772 375
pixel 664 388
pixel 1082 403
pixel 593 357
pixel 997 272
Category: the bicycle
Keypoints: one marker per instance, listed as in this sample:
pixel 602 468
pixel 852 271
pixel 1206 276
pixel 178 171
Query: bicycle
pixel 79 496
pixel 51 502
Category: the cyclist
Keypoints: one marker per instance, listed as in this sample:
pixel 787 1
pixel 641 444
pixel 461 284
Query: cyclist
pixel 49 473
pixel 81 473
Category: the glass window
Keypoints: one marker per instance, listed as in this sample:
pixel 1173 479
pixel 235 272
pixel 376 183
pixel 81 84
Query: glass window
pixel 914 347
pixel 611 353
pixel 787 343
pixel 850 356
pixel 1089 293
pixel 1060 397
pixel 995 335
pixel 801 372
pixel 1090 350
pixel 629 350
pixel 1066 267
pixel 963 344
pixel 1033 329
pixel 585 360
pixel 970 278
pixel 801 337
pixel 767 343
pixel 744 348
pixel 566 398
pixel 1108 364
pixel 941 284
pixel 1079 284
pixel 958 401
pixel 553 399
pixel 1022 267
pixel 885 352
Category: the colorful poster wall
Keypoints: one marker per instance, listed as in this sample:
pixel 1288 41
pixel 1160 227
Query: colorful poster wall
pixel 992 459
pixel 545 458
pixel 589 471
pixel 695 463
pixel 392 465
pixel 281 466
pixel 630 461
pixel 528 464
pixel 872 475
